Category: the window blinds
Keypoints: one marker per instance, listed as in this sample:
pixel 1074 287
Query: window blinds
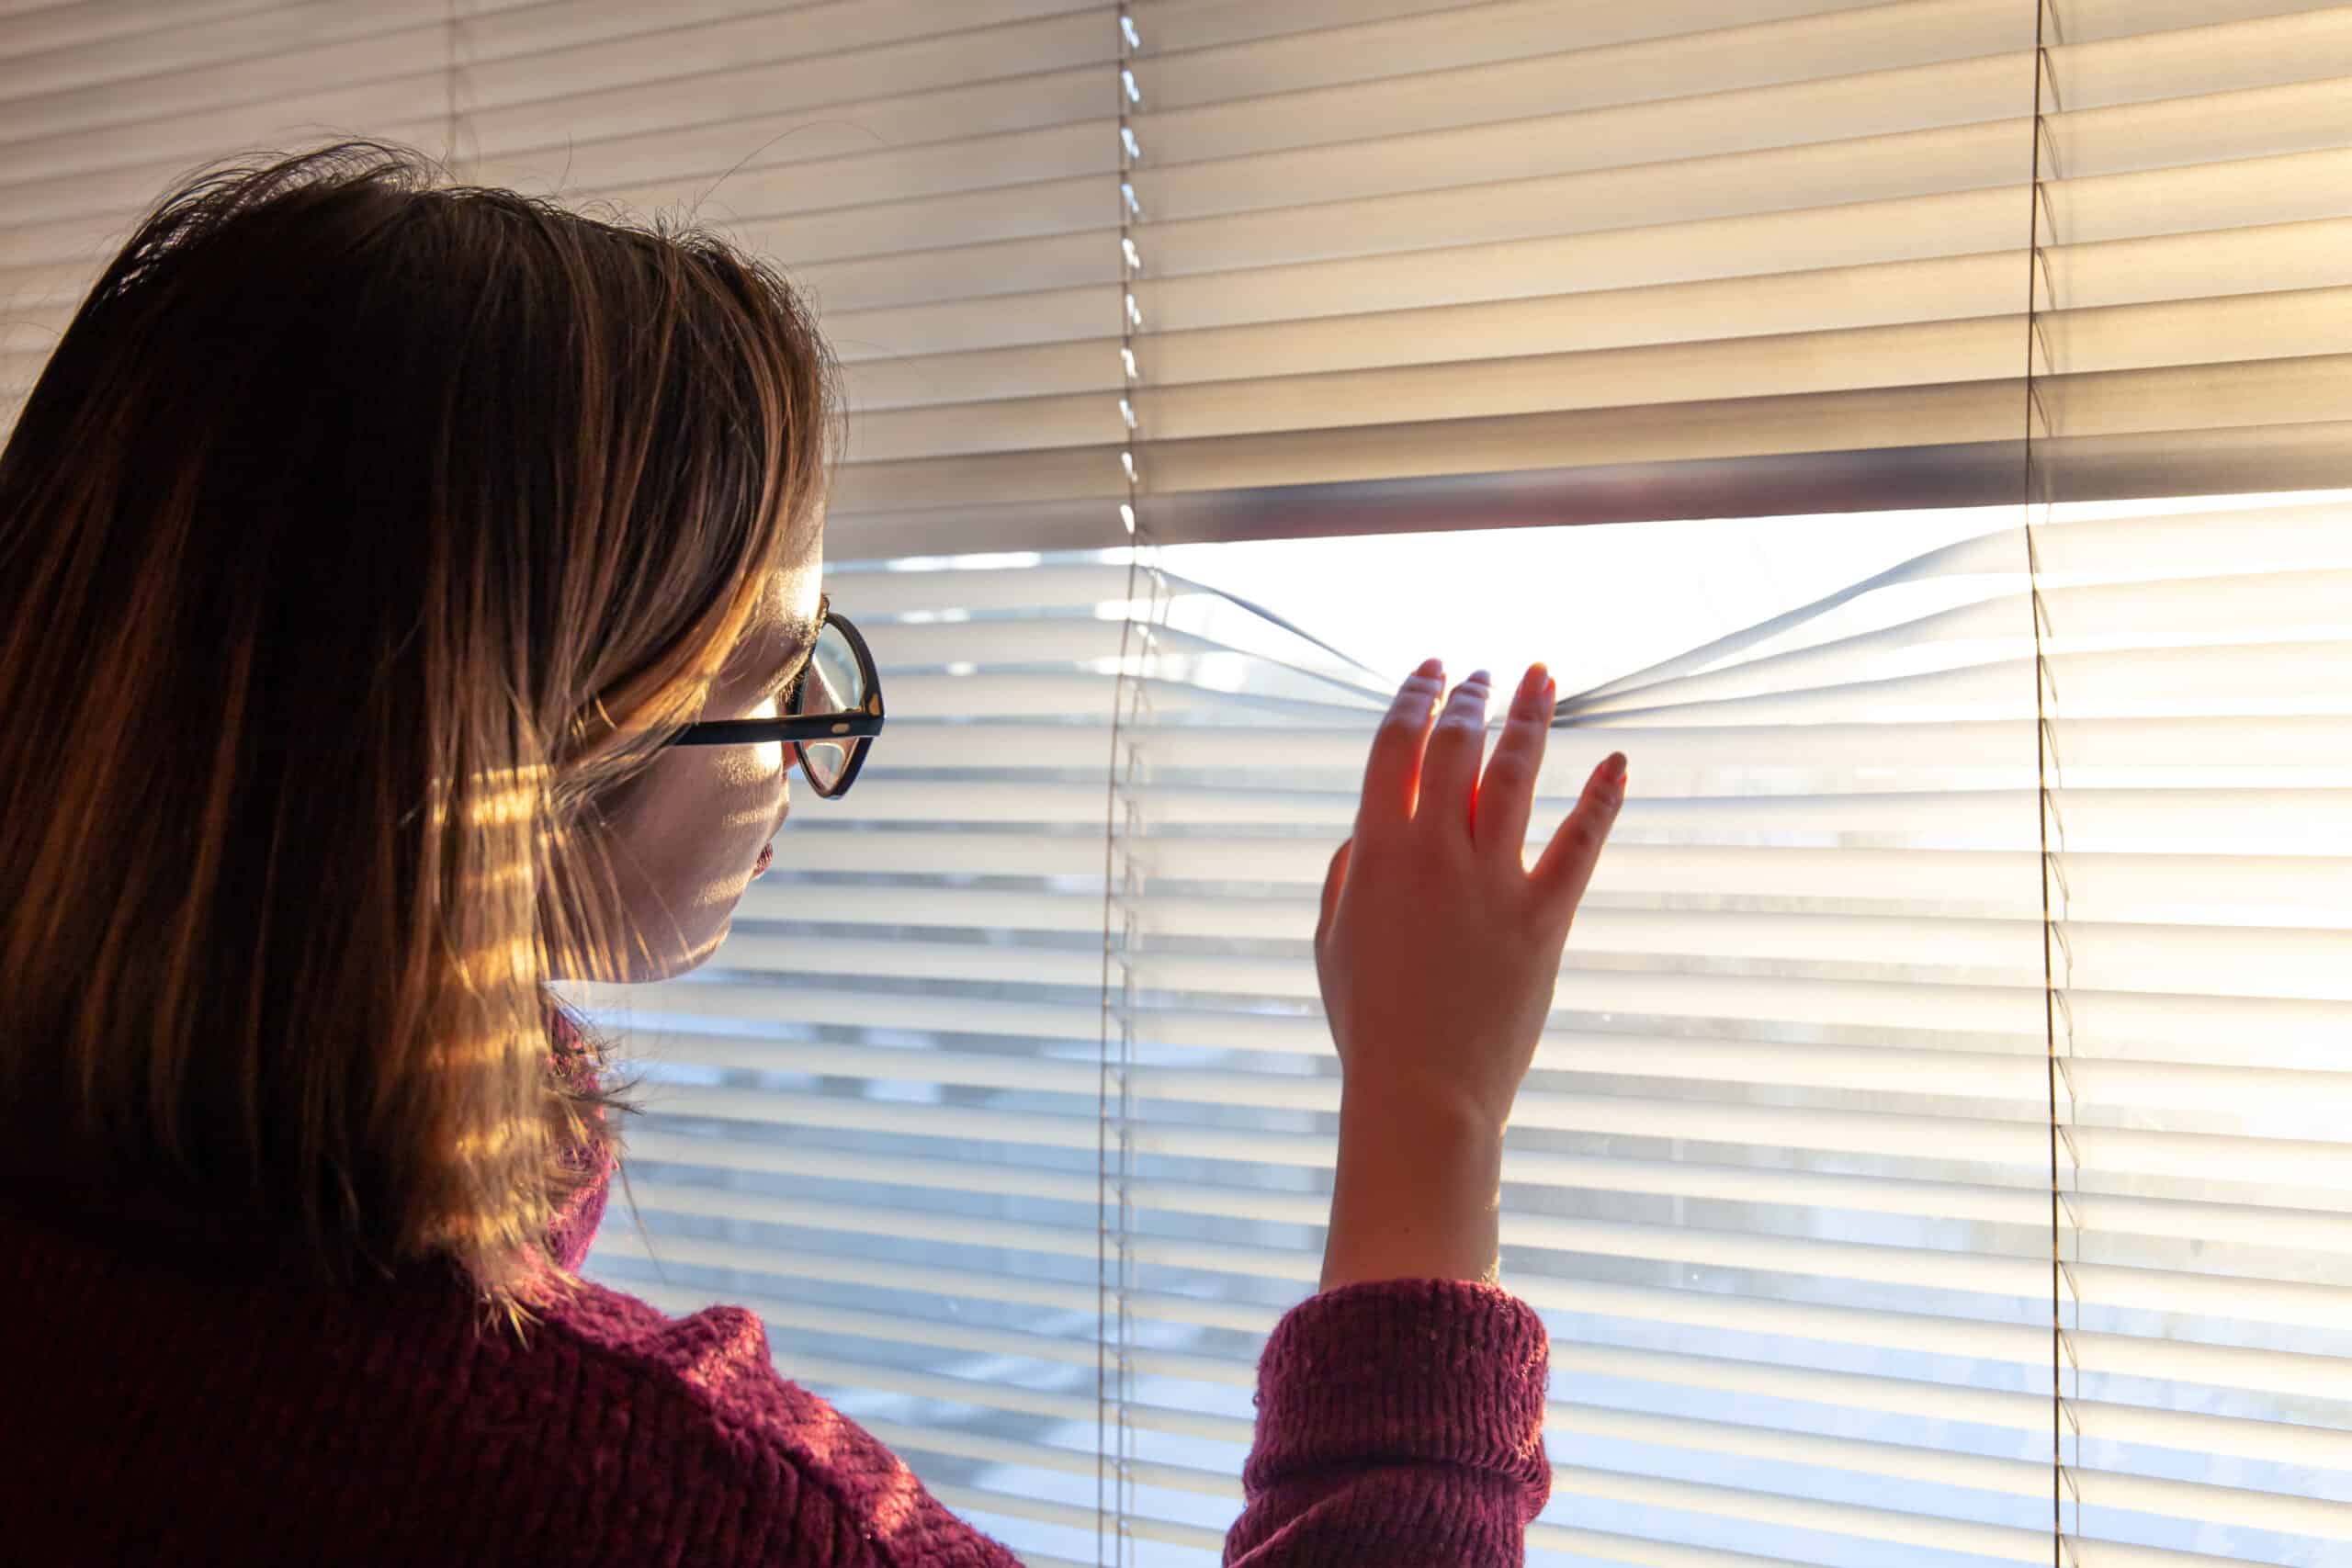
pixel 1424 267
pixel 1393 264
pixel 820 131
pixel 1008 1105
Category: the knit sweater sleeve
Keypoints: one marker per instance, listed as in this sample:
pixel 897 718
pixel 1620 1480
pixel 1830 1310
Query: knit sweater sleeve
pixel 1400 1421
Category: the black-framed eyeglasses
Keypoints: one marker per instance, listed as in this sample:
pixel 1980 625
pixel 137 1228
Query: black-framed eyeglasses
pixel 831 714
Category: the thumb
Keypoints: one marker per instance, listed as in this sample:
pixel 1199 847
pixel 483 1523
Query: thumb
pixel 1333 880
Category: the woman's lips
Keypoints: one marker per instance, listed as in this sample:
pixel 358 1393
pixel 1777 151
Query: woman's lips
pixel 767 855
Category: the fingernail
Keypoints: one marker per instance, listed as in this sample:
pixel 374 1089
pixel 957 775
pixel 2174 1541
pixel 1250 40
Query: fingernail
pixel 1478 676
pixel 1551 690
pixel 1432 666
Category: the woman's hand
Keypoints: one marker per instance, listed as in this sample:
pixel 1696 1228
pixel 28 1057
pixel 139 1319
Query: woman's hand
pixel 1437 951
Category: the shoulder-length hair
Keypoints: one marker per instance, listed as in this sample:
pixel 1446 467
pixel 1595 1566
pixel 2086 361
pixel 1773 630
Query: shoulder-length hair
pixel 360 536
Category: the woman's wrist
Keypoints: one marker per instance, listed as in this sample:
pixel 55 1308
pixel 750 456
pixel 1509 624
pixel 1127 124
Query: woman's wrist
pixel 1417 1191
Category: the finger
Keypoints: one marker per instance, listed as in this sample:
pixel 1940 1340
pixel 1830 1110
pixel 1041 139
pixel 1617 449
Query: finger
pixel 1392 775
pixel 1507 789
pixel 1575 850
pixel 1450 765
pixel 1333 880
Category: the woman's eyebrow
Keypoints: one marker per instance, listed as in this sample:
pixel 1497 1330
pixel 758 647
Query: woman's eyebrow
pixel 799 640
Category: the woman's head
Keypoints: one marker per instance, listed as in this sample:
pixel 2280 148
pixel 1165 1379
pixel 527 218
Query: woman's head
pixel 360 545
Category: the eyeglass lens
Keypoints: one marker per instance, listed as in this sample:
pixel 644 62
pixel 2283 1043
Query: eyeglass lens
pixel 833 682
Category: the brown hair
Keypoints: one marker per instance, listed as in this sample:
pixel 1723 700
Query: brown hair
pixel 360 536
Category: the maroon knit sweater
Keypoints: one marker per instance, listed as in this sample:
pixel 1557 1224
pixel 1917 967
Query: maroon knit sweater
pixel 180 1392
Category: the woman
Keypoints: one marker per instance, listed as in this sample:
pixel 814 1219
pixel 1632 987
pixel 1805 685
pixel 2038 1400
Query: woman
pixel 364 548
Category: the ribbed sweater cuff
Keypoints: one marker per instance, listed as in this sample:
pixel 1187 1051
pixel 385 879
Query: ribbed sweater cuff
pixel 1402 1372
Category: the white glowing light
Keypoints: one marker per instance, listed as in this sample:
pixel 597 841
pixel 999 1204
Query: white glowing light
pixel 992 560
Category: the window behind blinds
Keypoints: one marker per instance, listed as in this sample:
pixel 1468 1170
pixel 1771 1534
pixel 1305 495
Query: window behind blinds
pixel 1781 1181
